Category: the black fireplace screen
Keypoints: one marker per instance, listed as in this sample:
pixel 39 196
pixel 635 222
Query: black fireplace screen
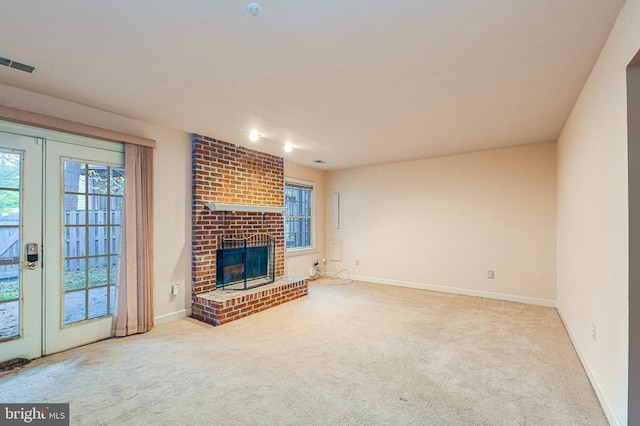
pixel 244 263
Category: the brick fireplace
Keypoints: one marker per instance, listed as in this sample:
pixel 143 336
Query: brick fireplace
pixel 225 174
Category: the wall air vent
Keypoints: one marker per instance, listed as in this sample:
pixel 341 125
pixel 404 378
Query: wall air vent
pixel 17 65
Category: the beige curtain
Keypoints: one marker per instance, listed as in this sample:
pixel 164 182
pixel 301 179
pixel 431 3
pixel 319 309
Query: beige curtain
pixel 134 308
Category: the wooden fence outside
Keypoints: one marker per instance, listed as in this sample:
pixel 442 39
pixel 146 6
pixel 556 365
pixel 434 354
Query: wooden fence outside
pixel 102 241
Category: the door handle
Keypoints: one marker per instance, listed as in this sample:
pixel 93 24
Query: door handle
pixel 29 266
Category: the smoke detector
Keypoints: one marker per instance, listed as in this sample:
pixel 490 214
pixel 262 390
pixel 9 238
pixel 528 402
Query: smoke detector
pixel 254 8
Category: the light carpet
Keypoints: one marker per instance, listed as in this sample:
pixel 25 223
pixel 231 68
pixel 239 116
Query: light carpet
pixel 347 354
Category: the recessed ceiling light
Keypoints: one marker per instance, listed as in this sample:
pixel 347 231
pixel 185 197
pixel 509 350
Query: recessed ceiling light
pixel 254 136
pixel 288 147
pixel 254 8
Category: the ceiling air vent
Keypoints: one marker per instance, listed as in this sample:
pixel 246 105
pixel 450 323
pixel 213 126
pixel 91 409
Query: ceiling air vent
pixel 16 65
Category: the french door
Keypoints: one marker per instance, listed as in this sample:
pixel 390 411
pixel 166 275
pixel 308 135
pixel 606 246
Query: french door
pixel 61 199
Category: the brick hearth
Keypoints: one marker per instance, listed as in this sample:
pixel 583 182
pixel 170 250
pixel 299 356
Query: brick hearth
pixel 219 307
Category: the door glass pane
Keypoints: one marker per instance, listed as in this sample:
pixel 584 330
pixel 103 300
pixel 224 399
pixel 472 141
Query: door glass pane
pixel 97 209
pixel 97 302
pixel 74 177
pixel 117 181
pixel 115 240
pixel 97 178
pixel 75 274
pixel 9 247
pixel 115 205
pixel 74 213
pixel 114 269
pixel 75 306
pixel 98 240
pixel 92 239
pixel 10 171
pixel 112 298
pixel 9 288
pixel 9 202
pixel 9 301
pixel 98 271
pixel 10 164
pixel 75 241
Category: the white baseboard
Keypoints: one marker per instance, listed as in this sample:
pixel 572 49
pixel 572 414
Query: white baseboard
pixel 602 397
pixel 173 316
pixel 455 290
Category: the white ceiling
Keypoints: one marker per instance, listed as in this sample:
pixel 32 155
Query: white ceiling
pixel 349 82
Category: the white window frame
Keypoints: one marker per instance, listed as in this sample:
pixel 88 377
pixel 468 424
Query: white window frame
pixel 312 185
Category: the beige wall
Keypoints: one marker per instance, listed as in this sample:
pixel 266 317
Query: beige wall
pixel 593 220
pixel 443 223
pixel 172 186
pixel 297 263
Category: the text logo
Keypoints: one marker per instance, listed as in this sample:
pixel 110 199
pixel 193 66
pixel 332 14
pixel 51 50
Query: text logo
pixel 34 414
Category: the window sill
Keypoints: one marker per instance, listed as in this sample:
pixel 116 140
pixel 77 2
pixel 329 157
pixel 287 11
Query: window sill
pixel 300 252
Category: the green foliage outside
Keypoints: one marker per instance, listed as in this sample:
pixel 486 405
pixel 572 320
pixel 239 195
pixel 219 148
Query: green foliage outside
pixel 98 183
pixel 9 201
pixel 9 290
pixel 76 280
pixel 9 178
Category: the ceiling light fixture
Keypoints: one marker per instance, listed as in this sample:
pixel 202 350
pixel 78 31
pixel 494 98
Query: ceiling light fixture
pixel 288 147
pixel 254 8
pixel 254 136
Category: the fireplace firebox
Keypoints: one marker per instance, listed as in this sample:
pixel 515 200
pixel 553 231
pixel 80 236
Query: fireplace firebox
pixel 244 263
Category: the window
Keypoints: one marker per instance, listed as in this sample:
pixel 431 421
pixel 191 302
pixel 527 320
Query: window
pixel 298 222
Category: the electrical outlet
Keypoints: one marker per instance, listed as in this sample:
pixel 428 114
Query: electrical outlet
pixel 491 275
pixel 324 260
pixel 593 332
pixel 357 262
pixel 175 289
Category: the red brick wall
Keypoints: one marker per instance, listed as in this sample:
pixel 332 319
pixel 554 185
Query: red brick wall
pixel 225 173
